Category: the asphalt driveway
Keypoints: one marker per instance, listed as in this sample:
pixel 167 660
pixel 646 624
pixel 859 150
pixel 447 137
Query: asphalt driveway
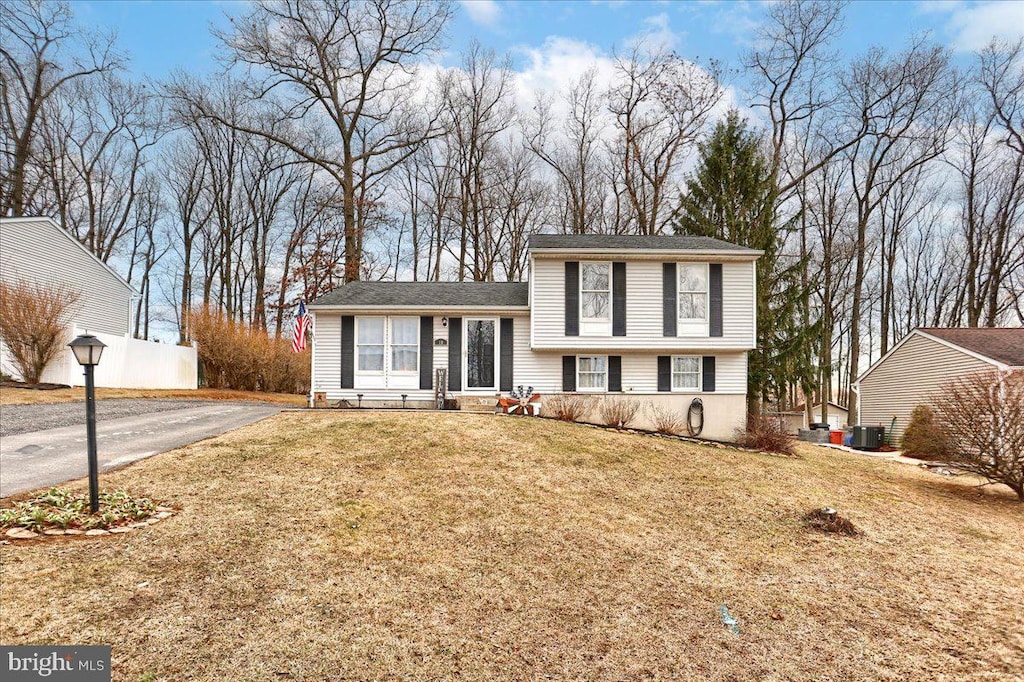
pixel 49 455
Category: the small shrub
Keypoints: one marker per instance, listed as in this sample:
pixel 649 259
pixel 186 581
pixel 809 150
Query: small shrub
pixel 34 322
pixel 767 434
pixel 617 412
pixel 924 437
pixel 665 420
pixel 568 408
pixel 981 414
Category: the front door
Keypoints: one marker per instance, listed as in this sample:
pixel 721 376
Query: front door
pixel 480 354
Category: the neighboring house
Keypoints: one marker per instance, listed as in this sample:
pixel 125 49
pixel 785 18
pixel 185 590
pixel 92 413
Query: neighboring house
pixel 838 417
pixel 40 251
pixel 659 319
pixel 923 361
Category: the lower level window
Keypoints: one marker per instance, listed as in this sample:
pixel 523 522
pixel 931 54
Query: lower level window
pixel 592 373
pixel 685 373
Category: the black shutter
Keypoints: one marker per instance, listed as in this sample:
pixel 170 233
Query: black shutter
pixel 664 373
pixel 618 299
pixel 568 373
pixel 572 298
pixel 454 353
pixel 426 352
pixel 670 309
pixel 709 374
pixel 615 373
pixel 715 296
pixel 505 383
pixel 348 350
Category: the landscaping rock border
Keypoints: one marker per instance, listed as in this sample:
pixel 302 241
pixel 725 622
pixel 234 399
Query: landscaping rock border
pixel 21 533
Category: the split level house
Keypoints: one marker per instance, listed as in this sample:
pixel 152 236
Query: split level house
pixel 658 319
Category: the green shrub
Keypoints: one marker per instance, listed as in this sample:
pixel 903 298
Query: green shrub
pixel 924 437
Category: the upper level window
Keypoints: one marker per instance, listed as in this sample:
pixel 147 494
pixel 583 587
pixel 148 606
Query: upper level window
pixel 685 373
pixel 405 340
pixel 693 291
pixel 592 373
pixel 596 291
pixel 370 344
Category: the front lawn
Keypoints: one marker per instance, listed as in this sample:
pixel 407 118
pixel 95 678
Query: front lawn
pixel 357 545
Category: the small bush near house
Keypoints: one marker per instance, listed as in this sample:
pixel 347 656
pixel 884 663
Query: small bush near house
pixel 617 412
pixel 568 408
pixel 983 417
pixel 33 324
pixel 767 434
pixel 236 356
pixel 924 437
pixel 666 420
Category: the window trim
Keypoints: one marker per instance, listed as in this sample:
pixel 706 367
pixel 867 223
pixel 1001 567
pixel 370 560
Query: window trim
pixel 607 291
pixel 680 320
pixel 579 384
pixel 383 345
pixel 390 345
pixel 699 374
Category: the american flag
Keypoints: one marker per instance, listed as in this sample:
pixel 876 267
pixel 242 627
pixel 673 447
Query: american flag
pixel 302 324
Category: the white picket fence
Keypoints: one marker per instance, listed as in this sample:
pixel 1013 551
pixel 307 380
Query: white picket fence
pixel 130 363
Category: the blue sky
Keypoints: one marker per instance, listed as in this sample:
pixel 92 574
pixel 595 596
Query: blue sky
pixel 161 35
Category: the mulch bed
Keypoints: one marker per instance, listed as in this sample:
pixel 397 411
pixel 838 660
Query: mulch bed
pixel 828 521
pixel 32 387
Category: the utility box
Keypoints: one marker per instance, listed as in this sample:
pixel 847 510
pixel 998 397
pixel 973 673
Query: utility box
pixel 868 437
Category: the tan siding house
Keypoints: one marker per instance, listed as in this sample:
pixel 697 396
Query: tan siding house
pixel 918 366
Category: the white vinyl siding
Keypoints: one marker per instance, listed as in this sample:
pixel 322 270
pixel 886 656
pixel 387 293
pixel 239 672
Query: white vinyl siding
pixel 911 374
pixel 644 311
pixel 540 369
pixel 40 252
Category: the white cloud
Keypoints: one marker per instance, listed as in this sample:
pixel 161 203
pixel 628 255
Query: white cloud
pixel 657 35
pixel 973 25
pixel 483 12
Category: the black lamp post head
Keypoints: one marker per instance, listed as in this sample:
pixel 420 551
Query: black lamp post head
pixel 87 349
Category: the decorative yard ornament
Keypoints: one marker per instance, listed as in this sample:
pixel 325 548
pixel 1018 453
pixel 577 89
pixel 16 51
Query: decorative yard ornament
pixel 521 401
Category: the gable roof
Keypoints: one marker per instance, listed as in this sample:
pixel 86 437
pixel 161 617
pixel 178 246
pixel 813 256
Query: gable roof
pixel 641 242
pixel 59 228
pixel 1002 344
pixel 429 295
pixel 1002 347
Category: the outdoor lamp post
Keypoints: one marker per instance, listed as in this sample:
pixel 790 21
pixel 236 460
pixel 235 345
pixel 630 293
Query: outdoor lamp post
pixel 88 349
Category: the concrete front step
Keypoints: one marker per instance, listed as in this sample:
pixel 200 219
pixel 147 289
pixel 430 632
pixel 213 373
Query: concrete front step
pixel 477 403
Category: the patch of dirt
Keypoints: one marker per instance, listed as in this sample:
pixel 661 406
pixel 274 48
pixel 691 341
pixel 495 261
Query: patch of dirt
pixel 829 521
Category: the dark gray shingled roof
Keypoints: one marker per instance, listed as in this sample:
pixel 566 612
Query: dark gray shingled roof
pixel 429 294
pixel 1002 344
pixel 662 242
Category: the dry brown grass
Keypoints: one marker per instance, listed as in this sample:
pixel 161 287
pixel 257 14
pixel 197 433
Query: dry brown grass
pixel 355 545
pixel 23 396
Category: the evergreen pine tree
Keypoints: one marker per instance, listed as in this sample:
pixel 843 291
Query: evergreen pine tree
pixel 732 196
